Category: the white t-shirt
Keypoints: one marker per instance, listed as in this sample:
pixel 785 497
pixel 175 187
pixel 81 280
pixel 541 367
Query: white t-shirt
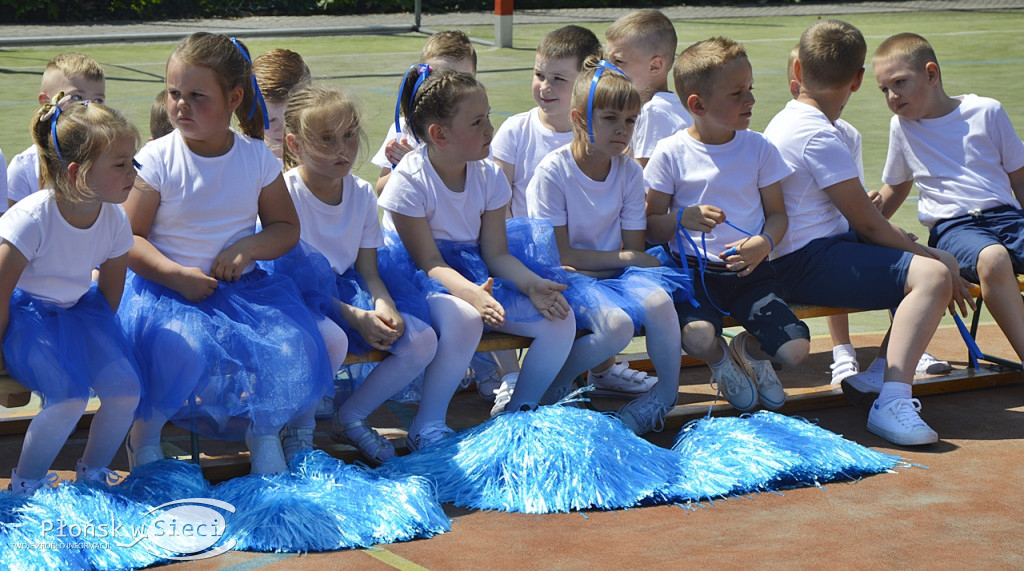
pixel 381 159
pixel 851 136
pixel 820 157
pixel 660 117
pixel 728 176
pixel 206 203
pixel 23 174
pixel 594 212
pixel 60 256
pixel 416 190
pixel 959 161
pixel 337 231
pixel 3 183
pixel 522 141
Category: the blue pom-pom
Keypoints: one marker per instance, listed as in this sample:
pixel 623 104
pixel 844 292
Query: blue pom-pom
pixel 157 483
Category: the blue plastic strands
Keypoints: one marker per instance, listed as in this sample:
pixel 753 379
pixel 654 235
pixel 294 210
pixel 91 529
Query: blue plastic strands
pixel 554 459
pixel 157 483
pixel 324 504
pixel 258 95
pixel 602 65
pixel 766 451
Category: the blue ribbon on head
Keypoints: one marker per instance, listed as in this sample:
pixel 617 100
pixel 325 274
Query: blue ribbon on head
pixel 53 131
pixel 423 70
pixel 53 110
pixel 601 66
pixel 255 87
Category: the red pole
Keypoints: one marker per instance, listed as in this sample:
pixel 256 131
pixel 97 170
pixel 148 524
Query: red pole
pixel 503 7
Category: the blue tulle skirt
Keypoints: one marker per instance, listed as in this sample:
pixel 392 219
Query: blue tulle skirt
pixel 396 263
pixel 249 353
pixel 533 242
pixel 58 352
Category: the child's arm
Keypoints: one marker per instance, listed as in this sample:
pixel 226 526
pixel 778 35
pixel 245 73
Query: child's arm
pixel 418 240
pixel 661 222
pixel 144 259
pixel 892 197
pixel 111 279
pixel 751 251
pixel 280 234
pixel 1017 184
pixel 394 150
pixel 382 326
pixel 545 294
pixel 12 264
pixel 600 261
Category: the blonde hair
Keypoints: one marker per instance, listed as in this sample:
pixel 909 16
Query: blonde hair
pixel 614 91
pixel 571 41
pixel 437 100
pixel 831 54
pixel 647 30
pixel 696 68
pixel 306 114
pixel 70 65
pixel 84 131
pixel 279 72
pixel 449 44
pixel 230 63
pixel 159 123
pixel 911 48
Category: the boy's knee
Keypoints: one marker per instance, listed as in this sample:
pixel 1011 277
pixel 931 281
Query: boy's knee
pixel 699 337
pixel 994 263
pixel 793 352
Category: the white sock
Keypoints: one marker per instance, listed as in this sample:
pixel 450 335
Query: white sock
pixel 892 391
pixel 844 350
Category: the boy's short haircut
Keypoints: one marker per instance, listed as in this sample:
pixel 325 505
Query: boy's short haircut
pixel 909 47
pixel 278 72
pixel 159 122
pixel 793 55
pixel 571 41
pixel 451 44
pixel 73 64
pixel 831 54
pixel 695 69
pixel 646 30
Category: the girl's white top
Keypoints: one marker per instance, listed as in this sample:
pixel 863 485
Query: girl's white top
pixel 594 212
pixel 206 203
pixel 337 231
pixel 416 190
pixel 60 256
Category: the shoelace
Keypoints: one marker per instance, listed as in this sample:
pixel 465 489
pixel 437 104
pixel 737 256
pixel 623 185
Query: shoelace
pixel 653 411
pixel 906 412
pixel 44 482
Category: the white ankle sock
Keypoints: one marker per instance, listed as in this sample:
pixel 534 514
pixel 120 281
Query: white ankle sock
pixel 845 350
pixel 892 391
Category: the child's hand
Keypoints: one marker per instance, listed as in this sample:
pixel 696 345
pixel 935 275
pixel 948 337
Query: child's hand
pixel 490 310
pixel 194 285
pixel 230 263
pixel 390 316
pixel 377 332
pixel 395 150
pixel 640 259
pixel 547 297
pixel 702 217
pixel 876 199
pixel 744 255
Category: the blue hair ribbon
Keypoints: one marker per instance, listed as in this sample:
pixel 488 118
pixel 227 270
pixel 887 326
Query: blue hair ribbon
pixel 52 111
pixel 601 66
pixel 258 97
pixel 423 70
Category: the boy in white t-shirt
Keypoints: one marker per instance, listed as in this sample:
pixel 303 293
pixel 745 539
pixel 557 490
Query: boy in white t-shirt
pixel 524 139
pixel 449 49
pixel 74 74
pixel 968 162
pixel 698 178
pixel 643 45
pixel 876 266
pixel 3 184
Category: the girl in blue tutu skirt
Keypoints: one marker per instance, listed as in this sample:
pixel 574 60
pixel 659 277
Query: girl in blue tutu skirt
pixel 61 337
pixel 446 203
pixel 227 348
pixel 592 193
pixel 336 268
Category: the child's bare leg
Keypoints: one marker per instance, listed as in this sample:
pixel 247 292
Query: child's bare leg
pixel 701 341
pixel 1002 294
pixel 839 329
pixel 928 291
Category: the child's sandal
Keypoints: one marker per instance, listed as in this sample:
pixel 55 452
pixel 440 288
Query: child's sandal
pixel 370 443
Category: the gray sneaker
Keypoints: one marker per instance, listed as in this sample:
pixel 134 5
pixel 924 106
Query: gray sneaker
pixel 769 388
pixel 644 414
pixel 732 382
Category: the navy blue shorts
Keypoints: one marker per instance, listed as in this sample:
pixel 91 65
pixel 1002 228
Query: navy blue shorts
pixel 842 271
pixel 752 300
pixel 966 236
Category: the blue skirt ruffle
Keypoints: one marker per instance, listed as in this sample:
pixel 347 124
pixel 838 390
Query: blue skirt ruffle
pixel 533 242
pixel 58 352
pixel 249 353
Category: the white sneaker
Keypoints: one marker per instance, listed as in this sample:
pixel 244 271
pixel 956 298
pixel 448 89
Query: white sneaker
pixel 430 434
pixel 732 382
pixel 22 487
pixel 644 414
pixel 898 422
pixel 265 454
pixel 928 365
pixel 620 379
pixel 843 366
pixel 295 439
pixel 105 475
pixel 769 388
pixel 503 394
pixel 144 455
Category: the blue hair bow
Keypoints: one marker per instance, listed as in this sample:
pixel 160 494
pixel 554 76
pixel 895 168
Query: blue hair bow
pixel 423 70
pixel 258 98
pixel 601 66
